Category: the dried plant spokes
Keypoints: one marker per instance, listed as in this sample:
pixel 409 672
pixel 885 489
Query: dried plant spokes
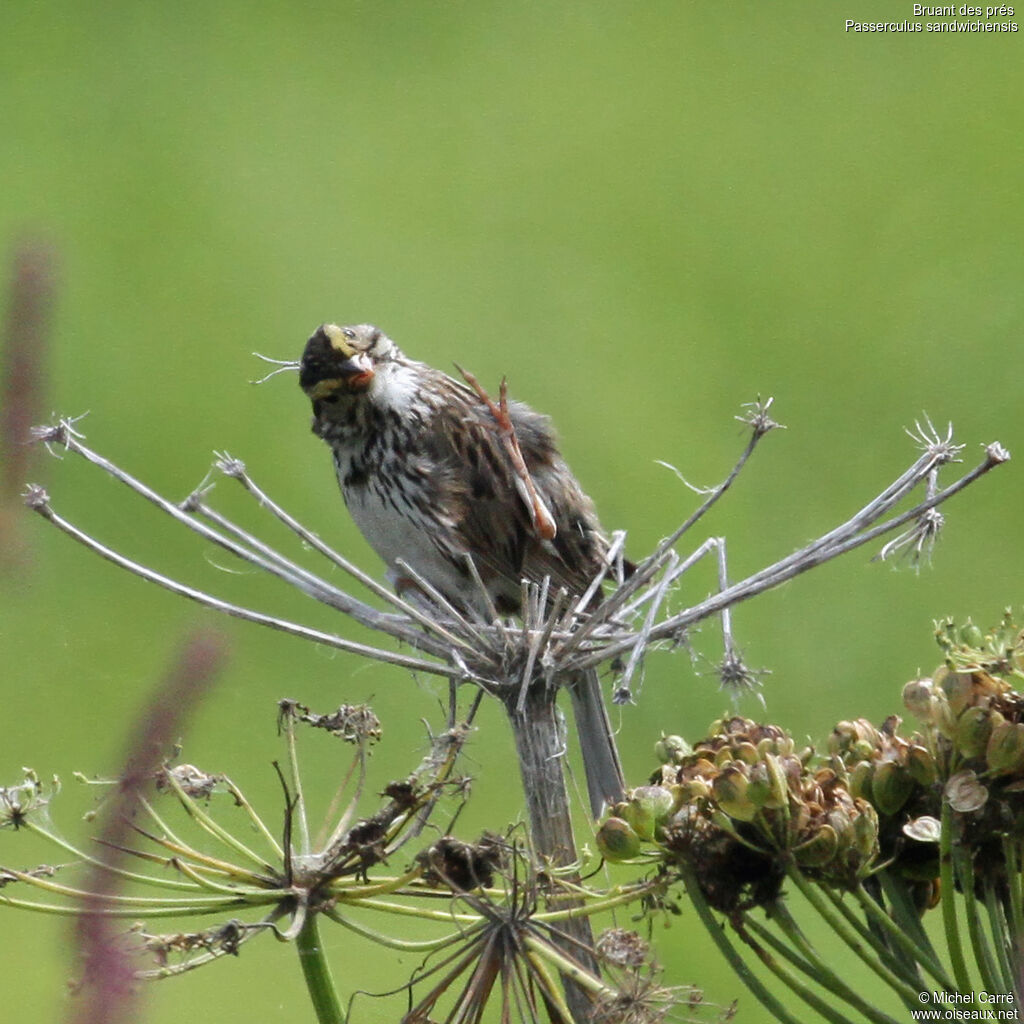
pixel 221 872
pixel 186 844
pixel 558 638
pixel 524 664
pixel 513 954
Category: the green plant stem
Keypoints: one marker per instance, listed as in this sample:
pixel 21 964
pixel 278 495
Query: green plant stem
pixel 906 918
pixel 544 949
pixel 726 948
pixel 422 912
pixel 204 882
pixel 407 946
pixel 949 921
pixel 240 799
pixel 818 970
pixel 133 876
pixel 963 866
pixel 548 984
pixel 791 981
pixel 299 815
pixel 906 992
pixel 204 862
pixel 808 968
pixel 599 905
pixel 765 935
pixel 157 910
pixel 901 937
pixel 169 840
pixel 169 904
pixel 348 889
pixel 207 823
pixel 1015 923
pixel 906 968
pixel 873 933
pixel 319 982
pixel 1000 936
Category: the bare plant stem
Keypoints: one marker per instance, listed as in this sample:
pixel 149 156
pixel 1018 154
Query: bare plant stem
pixel 319 982
pixel 540 750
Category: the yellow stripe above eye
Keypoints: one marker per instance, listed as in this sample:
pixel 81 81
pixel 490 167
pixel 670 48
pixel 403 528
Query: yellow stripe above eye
pixel 336 336
pixel 323 388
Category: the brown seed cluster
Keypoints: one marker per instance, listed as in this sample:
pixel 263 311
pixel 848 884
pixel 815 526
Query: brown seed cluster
pixel 741 806
pixel 968 752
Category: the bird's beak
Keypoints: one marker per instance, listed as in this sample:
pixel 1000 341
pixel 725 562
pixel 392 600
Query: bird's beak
pixel 331 364
pixel 351 374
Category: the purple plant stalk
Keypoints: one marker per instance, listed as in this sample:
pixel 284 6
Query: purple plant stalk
pixel 108 992
pixel 23 379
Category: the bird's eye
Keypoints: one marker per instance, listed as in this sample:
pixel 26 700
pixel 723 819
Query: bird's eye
pixel 349 333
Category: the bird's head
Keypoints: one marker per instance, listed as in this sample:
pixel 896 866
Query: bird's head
pixel 341 361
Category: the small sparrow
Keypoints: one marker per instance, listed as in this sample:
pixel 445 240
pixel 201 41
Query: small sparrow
pixel 428 472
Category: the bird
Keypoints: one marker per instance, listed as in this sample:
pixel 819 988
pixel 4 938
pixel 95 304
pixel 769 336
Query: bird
pixel 427 468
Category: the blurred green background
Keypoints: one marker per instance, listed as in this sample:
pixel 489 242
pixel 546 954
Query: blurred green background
pixel 643 214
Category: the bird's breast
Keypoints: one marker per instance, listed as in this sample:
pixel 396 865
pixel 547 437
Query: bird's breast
pixel 394 510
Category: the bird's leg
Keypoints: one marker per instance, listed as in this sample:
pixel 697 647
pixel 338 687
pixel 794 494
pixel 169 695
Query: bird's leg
pixel 411 586
pixel 540 514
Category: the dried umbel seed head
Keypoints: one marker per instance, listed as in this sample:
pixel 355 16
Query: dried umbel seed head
pixel 18 803
pixel 353 723
pixel 622 947
pixel 744 790
pixel 462 866
pixel 735 735
pixel 191 780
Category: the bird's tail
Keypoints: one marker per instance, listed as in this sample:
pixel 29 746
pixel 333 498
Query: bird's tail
pixel 601 764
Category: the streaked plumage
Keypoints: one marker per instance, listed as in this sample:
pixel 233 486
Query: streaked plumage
pixel 425 475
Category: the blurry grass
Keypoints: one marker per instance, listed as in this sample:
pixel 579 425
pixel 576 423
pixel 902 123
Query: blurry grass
pixel 643 215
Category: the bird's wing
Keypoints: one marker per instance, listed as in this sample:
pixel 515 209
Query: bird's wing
pixel 479 484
